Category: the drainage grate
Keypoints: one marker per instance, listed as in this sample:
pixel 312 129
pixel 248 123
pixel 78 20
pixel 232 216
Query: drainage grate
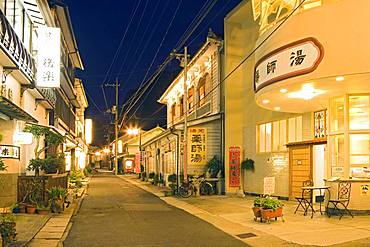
pixel 246 235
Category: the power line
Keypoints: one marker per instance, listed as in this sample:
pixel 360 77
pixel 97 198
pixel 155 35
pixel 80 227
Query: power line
pixel 94 103
pixel 155 56
pixel 118 51
pixel 249 55
pixel 208 8
pixel 160 45
pixel 133 39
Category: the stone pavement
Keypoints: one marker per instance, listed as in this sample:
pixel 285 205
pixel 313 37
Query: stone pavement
pixel 234 216
pixel 52 232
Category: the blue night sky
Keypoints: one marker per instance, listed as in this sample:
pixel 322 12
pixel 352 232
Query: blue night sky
pixel 99 29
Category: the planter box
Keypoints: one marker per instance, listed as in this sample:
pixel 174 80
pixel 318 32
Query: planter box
pixel 31 209
pixel 268 214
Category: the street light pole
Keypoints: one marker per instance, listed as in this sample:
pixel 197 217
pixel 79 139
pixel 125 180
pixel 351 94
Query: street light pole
pixel 116 131
pixel 115 112
pixel 185 158
pixel 184 59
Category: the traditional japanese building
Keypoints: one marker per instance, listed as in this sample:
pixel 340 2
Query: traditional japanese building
pixel 163 153
pixel 23 100
pixel 298 105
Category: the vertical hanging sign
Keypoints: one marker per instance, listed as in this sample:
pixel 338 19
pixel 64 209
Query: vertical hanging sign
pixel 234 166
pixel 48 57
pixel 197 148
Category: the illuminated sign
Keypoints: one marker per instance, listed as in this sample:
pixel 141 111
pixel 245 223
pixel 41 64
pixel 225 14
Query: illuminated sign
pixel 48 57
pixel 298 58
pixel 234 166
pixel 20 138
pixel 197 147
pixel 9 151
pixel 88 131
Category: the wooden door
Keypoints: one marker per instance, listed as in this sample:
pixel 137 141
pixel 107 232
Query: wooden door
pixel 300 164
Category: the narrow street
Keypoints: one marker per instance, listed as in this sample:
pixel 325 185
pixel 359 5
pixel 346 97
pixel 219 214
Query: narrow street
pixel 116 213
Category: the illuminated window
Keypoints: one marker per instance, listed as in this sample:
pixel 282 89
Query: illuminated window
pixel 201 91
pixel 320 124
pixel 181 106
pixel 359 112
pixel 272 136
pixel 191 99
pixel 337 115
pixel 173 113
pixel 295 129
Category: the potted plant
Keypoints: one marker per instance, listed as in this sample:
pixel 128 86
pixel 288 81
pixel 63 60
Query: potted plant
pixel 51 138
pixel 7 229
pixel 143 176
pixel 172 182
pixel 271 208
pixel 213 167
pixel 42 209
pixel 15 208
pixel 245 165
pixel 151 176
pixel 57 197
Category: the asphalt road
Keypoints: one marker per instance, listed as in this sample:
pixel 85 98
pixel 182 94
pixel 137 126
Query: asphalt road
pixel 117 213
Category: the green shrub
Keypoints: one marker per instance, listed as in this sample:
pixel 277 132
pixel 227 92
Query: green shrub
pixel 271 203
pixel 214 166
pixel 151 175
pixel 247 164
pixel 172 178
pixel 7 228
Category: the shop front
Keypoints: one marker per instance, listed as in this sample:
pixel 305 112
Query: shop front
pixel 321 74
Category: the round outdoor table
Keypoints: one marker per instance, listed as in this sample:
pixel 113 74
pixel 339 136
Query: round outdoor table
pixel 312 188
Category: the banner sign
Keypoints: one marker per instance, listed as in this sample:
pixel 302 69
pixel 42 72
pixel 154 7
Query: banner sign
pixel 137 163
pixel 20 138
pixel 48 57
pixel 234 166
pixel 9 151
pixel 297 58
pixel 198 146
pixel 269 185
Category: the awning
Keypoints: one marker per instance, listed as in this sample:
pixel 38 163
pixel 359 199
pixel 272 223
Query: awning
pixel 12 110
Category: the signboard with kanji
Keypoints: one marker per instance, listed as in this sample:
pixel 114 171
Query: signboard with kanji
pixel 197 146
pixel 297 58
pixel 9 151
pixel 234 166
pixel 48 57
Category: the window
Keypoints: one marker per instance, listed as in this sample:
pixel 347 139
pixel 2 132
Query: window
pixel 191 99
pixel 295 129
pixel 10 11
pixel 18 19
pixel 337 115
pixel 173 113
pixel 359 112
pixel 320 124
pixel 359 154
pixel 202 90
pixel 272 136
pixel 181 106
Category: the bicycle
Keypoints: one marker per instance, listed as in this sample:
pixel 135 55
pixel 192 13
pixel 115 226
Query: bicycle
pixel 189 188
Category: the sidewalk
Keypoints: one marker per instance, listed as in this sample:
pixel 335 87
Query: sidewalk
pixel 234 216
pixel 52 233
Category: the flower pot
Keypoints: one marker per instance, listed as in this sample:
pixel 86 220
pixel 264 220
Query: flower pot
pixel 57 206
pixel 22 208
pixel 16 210
pixel 268 214
pixel 30 209
pixel 43 211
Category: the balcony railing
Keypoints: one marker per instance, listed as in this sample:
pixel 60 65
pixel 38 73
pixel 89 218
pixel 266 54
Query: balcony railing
pixel 12 45
pixel 49 95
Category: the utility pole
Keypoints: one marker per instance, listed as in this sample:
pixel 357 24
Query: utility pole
pixel 184 60
pixel 115 112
